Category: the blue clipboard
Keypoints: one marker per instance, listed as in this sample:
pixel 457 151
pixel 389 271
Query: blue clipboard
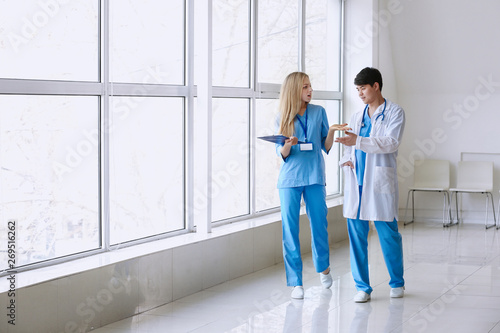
pixel 280 139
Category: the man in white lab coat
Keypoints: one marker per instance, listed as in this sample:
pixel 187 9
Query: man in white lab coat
pixel 371 182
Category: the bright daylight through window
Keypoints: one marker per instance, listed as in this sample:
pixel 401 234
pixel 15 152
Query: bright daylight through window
pixel 100 102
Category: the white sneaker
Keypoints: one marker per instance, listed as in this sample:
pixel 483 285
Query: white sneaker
pixel 361 297
pixel 298 292
pixel 397 292
pixel 326 280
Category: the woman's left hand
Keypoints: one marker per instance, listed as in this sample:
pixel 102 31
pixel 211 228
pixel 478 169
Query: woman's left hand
pixel 339 127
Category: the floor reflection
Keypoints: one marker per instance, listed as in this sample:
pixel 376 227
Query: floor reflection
pixel 448 272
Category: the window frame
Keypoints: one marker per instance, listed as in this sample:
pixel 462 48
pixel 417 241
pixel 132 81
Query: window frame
pixel 201 95
pixel 263 90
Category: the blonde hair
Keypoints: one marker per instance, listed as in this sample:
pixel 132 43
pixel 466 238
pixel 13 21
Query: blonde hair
pixel 290 101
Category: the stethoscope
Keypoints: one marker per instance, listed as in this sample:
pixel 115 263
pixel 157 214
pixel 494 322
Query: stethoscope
pixel 380 115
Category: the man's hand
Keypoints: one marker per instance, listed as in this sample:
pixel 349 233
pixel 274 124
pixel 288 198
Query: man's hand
pixel 349 140
pixel 331 134
pixel 348 163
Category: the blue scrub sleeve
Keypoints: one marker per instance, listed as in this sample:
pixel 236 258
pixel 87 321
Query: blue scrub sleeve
pixel 324 129
pixel 278 152
pixel 277 145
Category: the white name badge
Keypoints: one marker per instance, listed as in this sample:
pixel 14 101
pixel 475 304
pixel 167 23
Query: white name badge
pixel 306 146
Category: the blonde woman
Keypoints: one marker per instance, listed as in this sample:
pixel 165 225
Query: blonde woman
pixel 302 174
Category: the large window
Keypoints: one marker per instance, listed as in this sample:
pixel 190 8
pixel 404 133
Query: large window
pixel 127 120
pixel 146 167
pixel 278 39
pixel 295 36
pixel 267 162
pixel 53 40
pixel 146 113
pixel 231 43
pixel 322 44
pixel 146 34
pixel 230 161
pixel 49 175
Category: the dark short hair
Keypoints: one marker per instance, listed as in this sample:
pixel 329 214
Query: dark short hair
pixel 368 75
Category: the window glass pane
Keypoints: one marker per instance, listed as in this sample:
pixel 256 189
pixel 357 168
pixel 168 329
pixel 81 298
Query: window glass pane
pixel 147 41
pixel 49 175
pixel 267 162
pixel 323 23
pixel 277 40
pixel 56 40
pixel 146 167
pixel 332 159
pixel 230 171
pixel 231 54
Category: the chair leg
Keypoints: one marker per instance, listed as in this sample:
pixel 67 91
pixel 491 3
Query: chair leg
pixel 412 208
pixel 447 204
pixel 498 214
pixel 456 206
pixel 493 208
pixel 444 210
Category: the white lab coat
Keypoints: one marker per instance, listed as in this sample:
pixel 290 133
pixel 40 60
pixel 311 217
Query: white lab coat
pixel 380 197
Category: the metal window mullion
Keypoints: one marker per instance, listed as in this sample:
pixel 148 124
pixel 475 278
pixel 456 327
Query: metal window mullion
pixel 204 116
pixel 47 87
pixel 253 103
pixel 189 120
pixel 151 90
pixel 342 48
pixel 302 35
pixel 226 92
pixel 105 121
pixel 255 44
pixel 341 84
pixel 268 87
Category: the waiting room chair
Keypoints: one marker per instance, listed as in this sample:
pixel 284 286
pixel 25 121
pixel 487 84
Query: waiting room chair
pixel 431 176
pixel 475 177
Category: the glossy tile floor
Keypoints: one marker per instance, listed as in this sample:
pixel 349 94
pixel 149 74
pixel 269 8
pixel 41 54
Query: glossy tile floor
pixel 452 285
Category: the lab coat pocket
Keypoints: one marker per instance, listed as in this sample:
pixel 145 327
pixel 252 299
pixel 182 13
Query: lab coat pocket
pixel 385 180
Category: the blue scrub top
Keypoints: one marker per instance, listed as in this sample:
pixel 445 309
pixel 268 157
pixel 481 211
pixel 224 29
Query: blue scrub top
pixel 364 131
pixel 302 168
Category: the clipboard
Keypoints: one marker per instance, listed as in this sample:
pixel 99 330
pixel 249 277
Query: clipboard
pixel 280 139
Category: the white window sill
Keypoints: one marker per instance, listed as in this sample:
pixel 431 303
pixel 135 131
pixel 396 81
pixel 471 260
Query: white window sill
pixel 44 274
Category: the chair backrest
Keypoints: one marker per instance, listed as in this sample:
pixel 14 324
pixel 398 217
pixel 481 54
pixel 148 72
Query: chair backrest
pixel 432 174
pixel 475 175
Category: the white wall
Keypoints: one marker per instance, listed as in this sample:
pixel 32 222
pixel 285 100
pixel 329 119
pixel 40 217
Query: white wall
pixel 437 58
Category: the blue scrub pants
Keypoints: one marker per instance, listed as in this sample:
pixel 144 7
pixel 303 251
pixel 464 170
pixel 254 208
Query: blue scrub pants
pixel 392 249
pixel 314 198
